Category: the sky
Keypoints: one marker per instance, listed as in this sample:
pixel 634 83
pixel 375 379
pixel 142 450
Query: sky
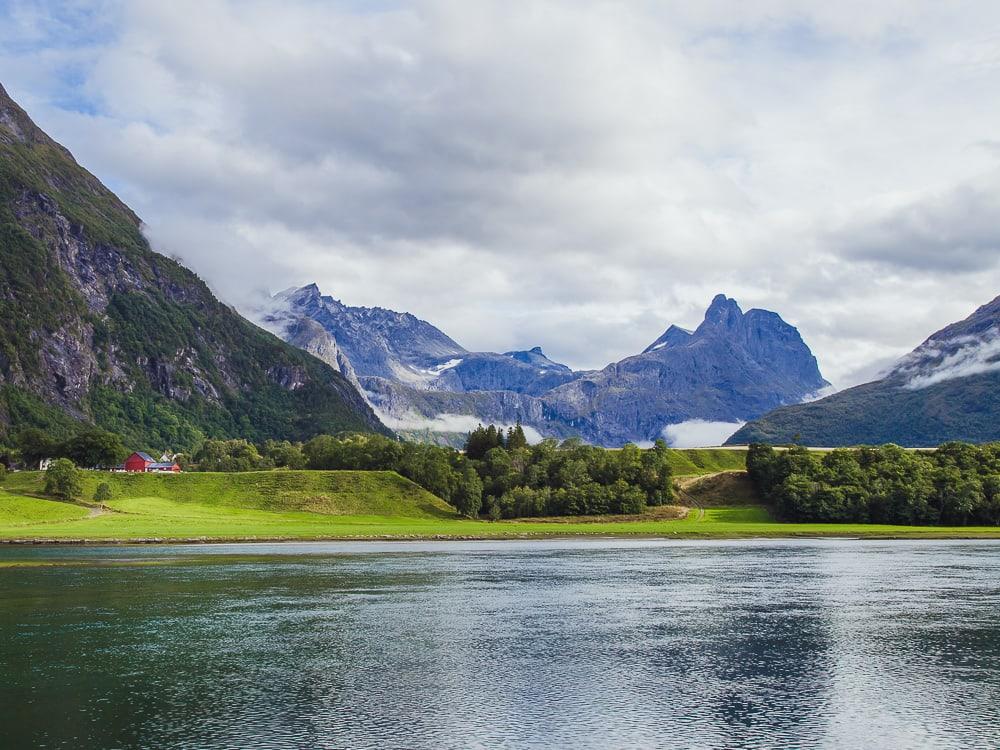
pixel 571 174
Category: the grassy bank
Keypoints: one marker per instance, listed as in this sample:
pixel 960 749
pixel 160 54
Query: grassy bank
pixel 352 505
pixel 690 461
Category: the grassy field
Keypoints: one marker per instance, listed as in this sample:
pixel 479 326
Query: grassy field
pixel 354 505
pixel 371 493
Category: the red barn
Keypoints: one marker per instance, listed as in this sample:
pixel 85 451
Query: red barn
pixel 140 462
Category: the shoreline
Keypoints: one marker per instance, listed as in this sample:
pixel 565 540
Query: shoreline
pixel 527 537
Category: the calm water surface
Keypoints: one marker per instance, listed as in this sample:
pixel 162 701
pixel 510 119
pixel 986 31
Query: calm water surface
pixel 582 644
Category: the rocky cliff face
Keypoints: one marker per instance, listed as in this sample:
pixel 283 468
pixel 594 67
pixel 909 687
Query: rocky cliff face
pixel 98 328
pixel 948 388
pixel 733 367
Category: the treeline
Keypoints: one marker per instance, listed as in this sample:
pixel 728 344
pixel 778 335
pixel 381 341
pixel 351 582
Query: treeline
pixel 498 475
pixel 957 484
pixel 91 448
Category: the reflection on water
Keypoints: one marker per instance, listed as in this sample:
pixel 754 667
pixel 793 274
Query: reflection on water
pixel 837 644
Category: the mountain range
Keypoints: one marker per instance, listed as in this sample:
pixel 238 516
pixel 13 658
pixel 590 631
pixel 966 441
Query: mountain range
pixel 948 388
pixel 99 329
pixel 733 367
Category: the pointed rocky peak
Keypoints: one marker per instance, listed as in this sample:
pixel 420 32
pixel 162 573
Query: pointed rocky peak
pixel 308 297
pixel 724 312
pixel 672 337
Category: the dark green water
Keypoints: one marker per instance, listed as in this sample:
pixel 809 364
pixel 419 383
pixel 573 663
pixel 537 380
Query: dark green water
pixel 836 644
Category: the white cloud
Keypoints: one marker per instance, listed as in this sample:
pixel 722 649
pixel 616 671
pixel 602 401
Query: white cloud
pixel 576 175
pixel 699 433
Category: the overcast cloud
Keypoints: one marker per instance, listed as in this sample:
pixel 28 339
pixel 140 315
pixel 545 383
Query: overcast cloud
pixel 572 174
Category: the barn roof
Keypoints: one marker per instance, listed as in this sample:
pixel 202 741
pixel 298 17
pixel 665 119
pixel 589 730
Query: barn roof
pixel 158 465
pixel 144 456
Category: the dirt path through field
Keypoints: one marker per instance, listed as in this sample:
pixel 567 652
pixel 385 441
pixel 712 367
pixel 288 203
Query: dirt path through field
pixel 684 483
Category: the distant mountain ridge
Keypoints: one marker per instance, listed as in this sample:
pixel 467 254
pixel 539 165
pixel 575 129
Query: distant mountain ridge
pixel 948 388
pixel 733 367
pixel 99 329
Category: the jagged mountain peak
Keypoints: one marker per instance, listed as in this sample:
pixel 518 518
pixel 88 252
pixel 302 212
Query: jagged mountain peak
pixel 723 313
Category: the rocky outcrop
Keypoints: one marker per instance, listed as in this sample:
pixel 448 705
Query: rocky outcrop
pixel 536 358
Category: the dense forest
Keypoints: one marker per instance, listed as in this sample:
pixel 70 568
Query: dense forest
pixel 956 484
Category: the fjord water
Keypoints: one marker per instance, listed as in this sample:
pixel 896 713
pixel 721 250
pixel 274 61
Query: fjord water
pixel 750 644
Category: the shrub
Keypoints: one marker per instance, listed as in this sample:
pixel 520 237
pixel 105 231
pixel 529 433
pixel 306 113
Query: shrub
pixel 103 493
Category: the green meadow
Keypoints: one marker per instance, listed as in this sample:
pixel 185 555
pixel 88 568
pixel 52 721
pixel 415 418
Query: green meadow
pixel 289 505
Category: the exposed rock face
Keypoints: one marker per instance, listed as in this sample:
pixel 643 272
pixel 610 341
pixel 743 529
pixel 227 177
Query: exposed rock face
pixel 99 328
pixel 733 367
pixel 948 388
pixel 307 334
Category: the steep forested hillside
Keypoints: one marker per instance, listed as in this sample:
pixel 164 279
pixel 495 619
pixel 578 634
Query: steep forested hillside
pixel 98 328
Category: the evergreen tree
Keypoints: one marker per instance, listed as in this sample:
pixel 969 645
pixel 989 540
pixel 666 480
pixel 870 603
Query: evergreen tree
pixel 516 439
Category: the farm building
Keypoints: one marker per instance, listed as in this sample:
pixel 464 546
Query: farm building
pixel 140 462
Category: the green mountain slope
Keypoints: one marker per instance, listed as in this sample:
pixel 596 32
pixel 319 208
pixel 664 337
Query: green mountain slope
pixel 98 328
pixel 946 389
